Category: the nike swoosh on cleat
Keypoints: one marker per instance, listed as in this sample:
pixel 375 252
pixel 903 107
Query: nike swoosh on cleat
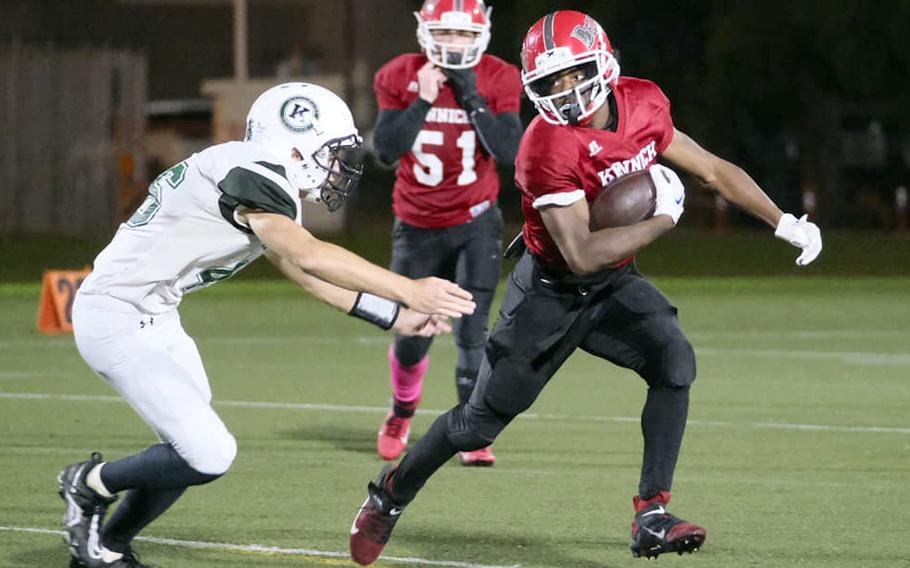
pixel 659 535
pixel 658 511
pixel 395 512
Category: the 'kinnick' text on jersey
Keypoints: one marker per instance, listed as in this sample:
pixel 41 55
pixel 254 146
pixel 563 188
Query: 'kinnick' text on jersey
pixel 636 163
pixel 558 165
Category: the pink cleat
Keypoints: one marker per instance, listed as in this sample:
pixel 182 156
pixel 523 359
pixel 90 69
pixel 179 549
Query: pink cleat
pixel 478 458
pixel 393 436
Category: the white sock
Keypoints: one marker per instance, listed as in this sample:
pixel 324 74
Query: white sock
pixel 93 480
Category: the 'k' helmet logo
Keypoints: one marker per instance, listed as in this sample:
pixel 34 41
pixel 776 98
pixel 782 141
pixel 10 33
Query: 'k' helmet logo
pixel 298 114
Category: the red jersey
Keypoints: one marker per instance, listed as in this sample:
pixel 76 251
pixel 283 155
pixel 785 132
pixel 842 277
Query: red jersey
pixel 447 178
pixel 558 165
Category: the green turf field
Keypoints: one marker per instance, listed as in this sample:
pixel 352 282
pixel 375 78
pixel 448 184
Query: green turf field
pixel 797 452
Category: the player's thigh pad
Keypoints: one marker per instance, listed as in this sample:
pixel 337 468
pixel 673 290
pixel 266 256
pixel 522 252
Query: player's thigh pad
pixel 671 359
pixel 418 253
pixel 156 368
pixel 538 328
pixel 481 243
pixel 640 331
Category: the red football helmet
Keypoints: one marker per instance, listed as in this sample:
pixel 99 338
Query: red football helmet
pixel 567 40
pixel 461 15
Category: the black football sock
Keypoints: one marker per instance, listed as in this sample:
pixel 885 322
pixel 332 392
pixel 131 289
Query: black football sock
pixel 138 508
pixel 404 409
pixel 430 453
pixel 663 422
pixel 465 380
pixel 157 467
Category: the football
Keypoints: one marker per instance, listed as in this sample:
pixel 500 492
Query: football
pixel 625 201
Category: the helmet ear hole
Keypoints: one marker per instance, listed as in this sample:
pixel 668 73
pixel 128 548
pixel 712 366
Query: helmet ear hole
pixel 296 155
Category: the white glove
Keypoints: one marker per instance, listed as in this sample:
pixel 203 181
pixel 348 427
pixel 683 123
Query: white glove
pixel 670 192
pixel 800 233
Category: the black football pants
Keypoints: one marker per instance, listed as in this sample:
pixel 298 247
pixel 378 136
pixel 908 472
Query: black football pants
pixel 616 315
pixel 467 254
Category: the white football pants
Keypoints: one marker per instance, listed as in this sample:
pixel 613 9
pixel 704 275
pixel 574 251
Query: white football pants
pixel 156 368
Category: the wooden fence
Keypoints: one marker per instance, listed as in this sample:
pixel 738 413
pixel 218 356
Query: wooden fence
pixel 71 126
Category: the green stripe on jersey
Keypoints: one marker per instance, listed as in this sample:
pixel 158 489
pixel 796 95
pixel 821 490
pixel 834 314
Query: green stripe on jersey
pixel 254 191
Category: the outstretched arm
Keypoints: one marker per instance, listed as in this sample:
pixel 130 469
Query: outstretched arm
pixel 405 322
pixel 345 269
pixel 335 296
pixel 737 187
pixel 728 179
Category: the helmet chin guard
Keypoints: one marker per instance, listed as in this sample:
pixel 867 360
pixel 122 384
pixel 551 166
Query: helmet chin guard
pixel 340 166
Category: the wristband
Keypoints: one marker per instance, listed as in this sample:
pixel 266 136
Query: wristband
pixel 378 311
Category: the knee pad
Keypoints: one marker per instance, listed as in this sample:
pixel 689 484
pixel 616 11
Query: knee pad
pixel 676 367
pixel 471 428
pixel 212 454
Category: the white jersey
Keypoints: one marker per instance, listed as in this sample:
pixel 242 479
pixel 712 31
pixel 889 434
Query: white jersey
pixel 186 236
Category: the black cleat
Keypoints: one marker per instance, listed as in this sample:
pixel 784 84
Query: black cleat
pixel 129 560
pixel 656 531
pixel 374 522
pixel 85 510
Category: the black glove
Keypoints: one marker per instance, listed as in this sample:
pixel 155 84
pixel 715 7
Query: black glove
pixel 464 83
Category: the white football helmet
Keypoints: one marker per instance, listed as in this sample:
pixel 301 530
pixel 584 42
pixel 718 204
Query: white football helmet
pixel 317 124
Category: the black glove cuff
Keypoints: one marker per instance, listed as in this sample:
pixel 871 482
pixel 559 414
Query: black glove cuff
pixel 473 103
pixel 378 311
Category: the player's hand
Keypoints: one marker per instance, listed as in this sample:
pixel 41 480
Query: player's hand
pixel 437 296
pixel 429 81
pixel 410 322
pixel 671 193
pixel 800 233
pixel 464 83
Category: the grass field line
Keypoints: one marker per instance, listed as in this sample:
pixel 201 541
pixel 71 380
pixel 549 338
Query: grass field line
pixel 855 357
pixel 271 550
pixel 431 412
pixel 18 375
pixel 868 358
